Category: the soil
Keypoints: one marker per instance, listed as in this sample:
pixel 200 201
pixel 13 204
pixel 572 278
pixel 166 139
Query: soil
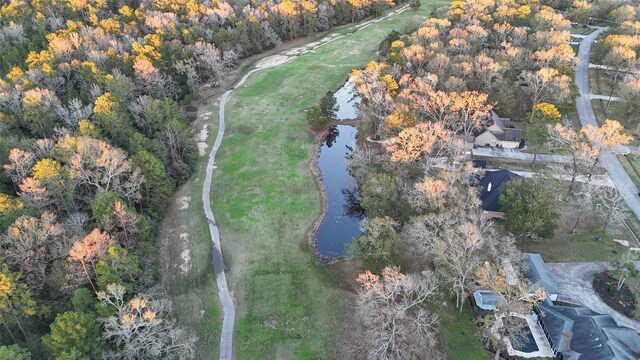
pixel 622 302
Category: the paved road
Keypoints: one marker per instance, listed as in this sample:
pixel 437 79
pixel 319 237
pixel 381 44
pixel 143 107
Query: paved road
pixel 574 282
pixel 517 155
pixel 583 104
pixel 599 180
pixel 606 97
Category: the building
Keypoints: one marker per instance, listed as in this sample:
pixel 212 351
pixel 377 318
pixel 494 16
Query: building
pixel 576 332
pixel 490 193
pixel 536 271
pixel 499 134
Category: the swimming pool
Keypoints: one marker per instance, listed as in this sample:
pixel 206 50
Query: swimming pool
pixel 527 342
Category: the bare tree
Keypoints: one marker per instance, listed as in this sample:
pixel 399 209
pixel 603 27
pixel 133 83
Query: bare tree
pixel 391 308
pixel 103 167
pixel 32 244
pixel 141 328
pixel 19 166
pixel 612 208
pixel 84 255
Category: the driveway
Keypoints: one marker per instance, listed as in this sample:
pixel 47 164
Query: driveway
pixel 574 283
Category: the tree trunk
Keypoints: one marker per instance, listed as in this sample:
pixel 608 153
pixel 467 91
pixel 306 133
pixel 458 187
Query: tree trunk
pixel 6 326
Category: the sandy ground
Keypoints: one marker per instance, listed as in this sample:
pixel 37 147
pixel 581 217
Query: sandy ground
pixel 184 202
pixel 202 136
pixel 185 254
pixel 271 61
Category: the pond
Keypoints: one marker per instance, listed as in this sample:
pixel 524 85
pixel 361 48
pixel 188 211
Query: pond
pixel 348 102
pixel 342 220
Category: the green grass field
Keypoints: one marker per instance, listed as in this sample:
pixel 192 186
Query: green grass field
pixel 289 305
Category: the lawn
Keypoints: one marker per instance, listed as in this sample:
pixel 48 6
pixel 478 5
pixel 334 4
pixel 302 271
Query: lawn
pixel 459 333
pixel 582 246
pixel 289 306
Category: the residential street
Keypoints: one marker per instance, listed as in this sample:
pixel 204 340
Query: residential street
pixel 585 111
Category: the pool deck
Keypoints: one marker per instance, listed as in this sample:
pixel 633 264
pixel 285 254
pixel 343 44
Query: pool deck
pixel 544 350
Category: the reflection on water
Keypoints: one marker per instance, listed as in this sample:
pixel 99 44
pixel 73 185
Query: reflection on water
pixel 342 221
pixel 348 102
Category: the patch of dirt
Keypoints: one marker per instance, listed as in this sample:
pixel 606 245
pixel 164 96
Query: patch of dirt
pixel 622 302
pixel 202 148
pixel 183 202
pixel 274 60
pixel 185 255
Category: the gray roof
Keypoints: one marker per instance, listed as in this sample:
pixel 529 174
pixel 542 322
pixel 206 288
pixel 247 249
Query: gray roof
pixel 579 333
pixel 510 134
pixel 500 121
pixel 536 271
pixel 486 300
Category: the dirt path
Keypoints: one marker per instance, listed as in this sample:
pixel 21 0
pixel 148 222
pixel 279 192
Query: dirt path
pixel 228 307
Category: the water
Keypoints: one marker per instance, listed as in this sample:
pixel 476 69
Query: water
pixel 341 223
pixel 348 101
pixel 529 343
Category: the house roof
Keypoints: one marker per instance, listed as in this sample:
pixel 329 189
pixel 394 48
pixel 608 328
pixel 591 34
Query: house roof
pixel 536 271
pixel 491 183
pixel 579 333
pixel 486 300
pixel 509 134
pixel 500 121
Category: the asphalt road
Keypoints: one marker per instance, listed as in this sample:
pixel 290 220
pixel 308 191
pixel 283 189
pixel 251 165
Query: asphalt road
pixel 617 173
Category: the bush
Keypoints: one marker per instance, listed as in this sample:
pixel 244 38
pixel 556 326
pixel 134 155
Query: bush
pixel 613 290
pixel 315 118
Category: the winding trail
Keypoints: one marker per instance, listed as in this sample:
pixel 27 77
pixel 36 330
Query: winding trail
pixel 617 173
pixel 228 307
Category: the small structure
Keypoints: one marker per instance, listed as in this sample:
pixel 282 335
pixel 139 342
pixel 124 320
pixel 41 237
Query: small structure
pixel 579 333
pixel 486 300
pixel 536 271
pixel 490 193
pixel 499 134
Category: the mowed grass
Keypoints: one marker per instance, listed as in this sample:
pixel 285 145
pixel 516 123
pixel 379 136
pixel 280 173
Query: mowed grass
pixel 265 199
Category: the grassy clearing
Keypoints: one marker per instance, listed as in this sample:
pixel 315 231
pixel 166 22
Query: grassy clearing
pixel 289 304
pixel 581 30
pixel 583 246
pixel 459 333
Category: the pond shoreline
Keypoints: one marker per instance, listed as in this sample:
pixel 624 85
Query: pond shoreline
pixel 324 207
pixel 319 138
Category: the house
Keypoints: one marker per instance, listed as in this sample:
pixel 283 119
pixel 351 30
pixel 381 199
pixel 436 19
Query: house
pixel 499 134
pixel 576 332
pixel 490 193
pixel 536 271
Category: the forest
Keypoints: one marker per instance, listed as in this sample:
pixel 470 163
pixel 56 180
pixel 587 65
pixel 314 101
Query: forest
pixel 95 123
